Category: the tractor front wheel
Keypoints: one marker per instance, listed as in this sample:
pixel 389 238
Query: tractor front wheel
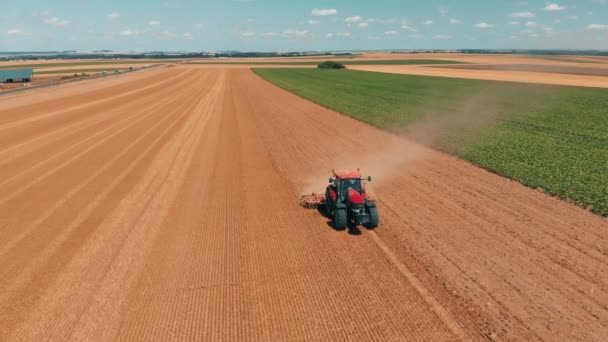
pixel 340 219
pixel 373 218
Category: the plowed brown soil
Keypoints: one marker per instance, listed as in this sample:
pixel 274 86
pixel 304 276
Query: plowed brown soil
pixel 165 207
pixel 493 75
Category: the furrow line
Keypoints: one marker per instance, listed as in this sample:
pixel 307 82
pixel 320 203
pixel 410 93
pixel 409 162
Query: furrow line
pixel 138 90
pixel 74 128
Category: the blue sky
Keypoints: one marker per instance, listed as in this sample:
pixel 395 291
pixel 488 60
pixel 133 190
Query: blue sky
pixel 271 25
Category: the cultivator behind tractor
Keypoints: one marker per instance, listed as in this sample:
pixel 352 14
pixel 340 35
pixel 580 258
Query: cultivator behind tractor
pixel 313 201
pixel 345 201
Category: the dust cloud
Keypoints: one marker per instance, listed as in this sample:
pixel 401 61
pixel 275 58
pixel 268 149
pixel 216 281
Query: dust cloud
pixel 385 156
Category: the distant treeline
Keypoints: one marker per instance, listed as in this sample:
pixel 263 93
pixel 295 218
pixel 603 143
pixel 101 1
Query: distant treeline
pixel 236 54
pixel 160 55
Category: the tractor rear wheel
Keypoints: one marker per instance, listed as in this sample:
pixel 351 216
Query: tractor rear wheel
pixel 328 204
pixel 340 219
pixel 373 217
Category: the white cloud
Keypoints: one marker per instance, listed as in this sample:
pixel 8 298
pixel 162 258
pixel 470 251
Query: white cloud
pixel 188 36
pixel 199 26
pixel 363 25
pixel 153 22
pixel 314 22
pixel 514 23
pixel 166 34
pixel 17 32
pixel 573 17
pixel 250 20
pixel 443 11
pixel 416 35
pixel 382 21
pixel 390 33
pixel 553 7
pixel 454 21
pixel 296 34
pixel 531 24
pixel 289 34
pixel 428 22
pixel 404 26
pixel 442 37
pixel 317 12
pixel 484 25
pixel 353 19
pixel 247 34
pixel 344 34
pixel 56 21
pixel 598 27
pixel 522 15
pixel 113 16
pixel 128 33
pixel 329 35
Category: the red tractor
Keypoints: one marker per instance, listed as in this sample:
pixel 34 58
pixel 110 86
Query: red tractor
pixel 346 201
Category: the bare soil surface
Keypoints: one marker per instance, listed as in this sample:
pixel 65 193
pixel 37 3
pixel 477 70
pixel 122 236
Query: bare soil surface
pixel 42 80
pixel 4 87
pixel 558 70
pixel 164 206
pixel 491 74
pixel 108 62
pixel 468 58
pixel 64 80
pixel 108 67
pixel 535 68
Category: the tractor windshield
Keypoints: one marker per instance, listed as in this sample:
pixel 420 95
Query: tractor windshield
pixel 346 184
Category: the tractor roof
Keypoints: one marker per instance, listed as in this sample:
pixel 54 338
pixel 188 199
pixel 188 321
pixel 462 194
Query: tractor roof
pixel 346 174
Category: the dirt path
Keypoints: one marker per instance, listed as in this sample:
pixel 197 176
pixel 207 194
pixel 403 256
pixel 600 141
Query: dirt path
pixel 165 207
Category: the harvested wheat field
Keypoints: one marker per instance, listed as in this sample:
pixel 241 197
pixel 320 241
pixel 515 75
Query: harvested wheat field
pixel 163 205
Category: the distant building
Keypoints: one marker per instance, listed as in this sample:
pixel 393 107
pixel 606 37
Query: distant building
pixel 16 75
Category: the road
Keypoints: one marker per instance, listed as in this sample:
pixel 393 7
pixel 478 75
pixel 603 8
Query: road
pixel 164 206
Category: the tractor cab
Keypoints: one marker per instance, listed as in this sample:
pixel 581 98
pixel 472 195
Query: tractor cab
pixel 348 185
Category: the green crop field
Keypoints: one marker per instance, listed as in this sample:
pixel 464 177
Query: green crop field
pixel 349 62
pixel 549 137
